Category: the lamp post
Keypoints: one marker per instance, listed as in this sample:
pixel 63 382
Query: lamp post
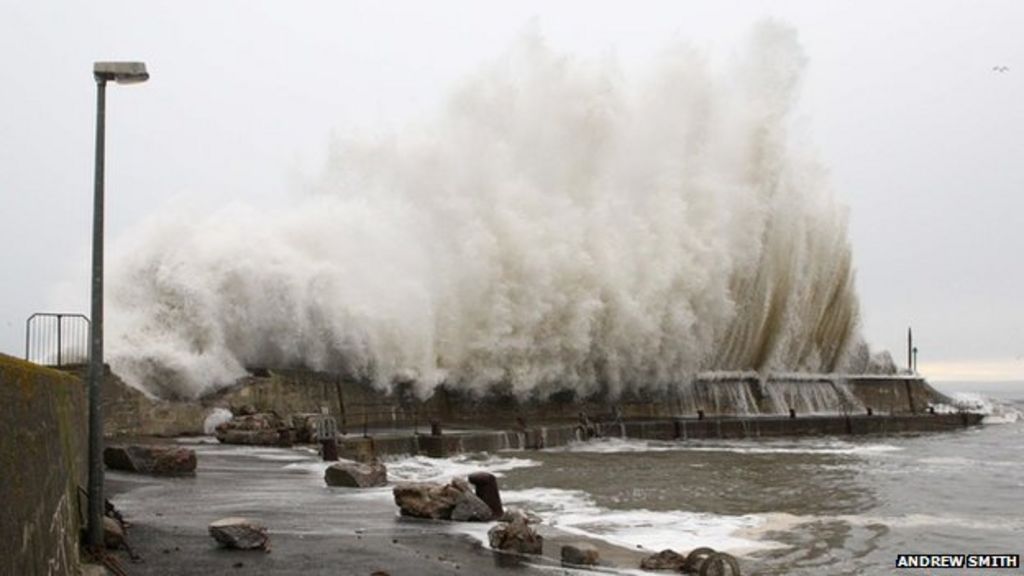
pixel 103 72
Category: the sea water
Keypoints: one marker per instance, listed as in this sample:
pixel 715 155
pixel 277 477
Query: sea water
pixel 802 506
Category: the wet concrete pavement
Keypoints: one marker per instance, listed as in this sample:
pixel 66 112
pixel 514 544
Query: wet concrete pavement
pixel 314 529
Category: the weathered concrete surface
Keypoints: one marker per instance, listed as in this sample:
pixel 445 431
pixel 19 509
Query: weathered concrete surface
pixel 43 447
pixel 357 405
pixel 128 412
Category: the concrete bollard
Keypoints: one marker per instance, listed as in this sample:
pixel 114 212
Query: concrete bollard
pixel 486 486
pixel 329 449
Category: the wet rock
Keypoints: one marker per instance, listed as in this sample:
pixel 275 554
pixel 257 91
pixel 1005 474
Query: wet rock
pixel 156 460
pixel 469 508
pixel 664 560
pixel 512 513
pixel 113 533
pixel 426 500
pixel 695 559
pixel 516 536
pixel 261 429
pixel 244 410
pixel 305 427
pixel 461 484
pixel 353 475
pixel 720 564
pixel 240 534
pixel 487 490
pixel 580 553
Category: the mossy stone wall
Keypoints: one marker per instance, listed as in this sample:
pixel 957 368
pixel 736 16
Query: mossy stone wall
pixel 43 459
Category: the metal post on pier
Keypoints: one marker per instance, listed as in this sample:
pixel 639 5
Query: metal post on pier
pixel 909 350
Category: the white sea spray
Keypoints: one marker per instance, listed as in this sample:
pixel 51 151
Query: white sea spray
pixel 559 224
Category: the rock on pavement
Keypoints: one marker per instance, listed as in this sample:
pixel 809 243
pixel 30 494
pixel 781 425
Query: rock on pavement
pixel 664 560
pixel 580 553
pixel 353 475
pixel 516 536
pixel 156 460
pixel 240 534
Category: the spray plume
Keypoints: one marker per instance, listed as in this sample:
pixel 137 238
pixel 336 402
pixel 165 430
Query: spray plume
pixel 555 226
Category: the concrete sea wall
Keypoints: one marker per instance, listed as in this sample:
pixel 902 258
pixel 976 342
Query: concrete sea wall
pixel 43 453
pixel 357 405
pixel 356 447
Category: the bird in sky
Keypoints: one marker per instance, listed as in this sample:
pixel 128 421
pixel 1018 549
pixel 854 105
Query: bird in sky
pixel 1000 69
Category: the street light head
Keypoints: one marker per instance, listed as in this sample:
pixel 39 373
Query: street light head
pixel 120 72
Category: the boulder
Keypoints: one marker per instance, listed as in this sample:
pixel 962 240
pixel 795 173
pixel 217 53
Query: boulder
pixel 260 429
pixel 664 560
pixel 156 460
pixel 426 500
pixel 696 558
pixel 516 536
pixel 580 554
pixel 487 490
pixel 305 427
pixel 113 533
pixel 240 534
pixel 720 564
pixel 469 508
pixel 353 475
pixel 461 484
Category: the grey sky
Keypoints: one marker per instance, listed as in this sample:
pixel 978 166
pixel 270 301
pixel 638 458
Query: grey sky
pixel 922 137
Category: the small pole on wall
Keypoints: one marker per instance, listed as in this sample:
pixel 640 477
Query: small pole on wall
pixel 910 350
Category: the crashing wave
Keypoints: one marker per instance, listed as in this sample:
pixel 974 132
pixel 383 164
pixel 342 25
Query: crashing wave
pixel 557 225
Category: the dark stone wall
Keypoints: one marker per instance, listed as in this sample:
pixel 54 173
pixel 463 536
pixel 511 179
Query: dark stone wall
pixel 43 458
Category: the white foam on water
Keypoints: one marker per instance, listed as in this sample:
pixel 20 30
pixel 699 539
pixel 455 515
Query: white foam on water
pixel 574 512
pixel 995 411
pixel 616 445
pixel 807 446
pixel 426 469
pixel 216 417
pixel 317 467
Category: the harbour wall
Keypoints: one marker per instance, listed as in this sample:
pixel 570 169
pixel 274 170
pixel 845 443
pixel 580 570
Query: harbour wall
pixel 356 447
pixel 357 405
pixel 43 451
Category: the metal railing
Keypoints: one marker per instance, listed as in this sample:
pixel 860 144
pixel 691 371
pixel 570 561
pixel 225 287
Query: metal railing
pixel 57 339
